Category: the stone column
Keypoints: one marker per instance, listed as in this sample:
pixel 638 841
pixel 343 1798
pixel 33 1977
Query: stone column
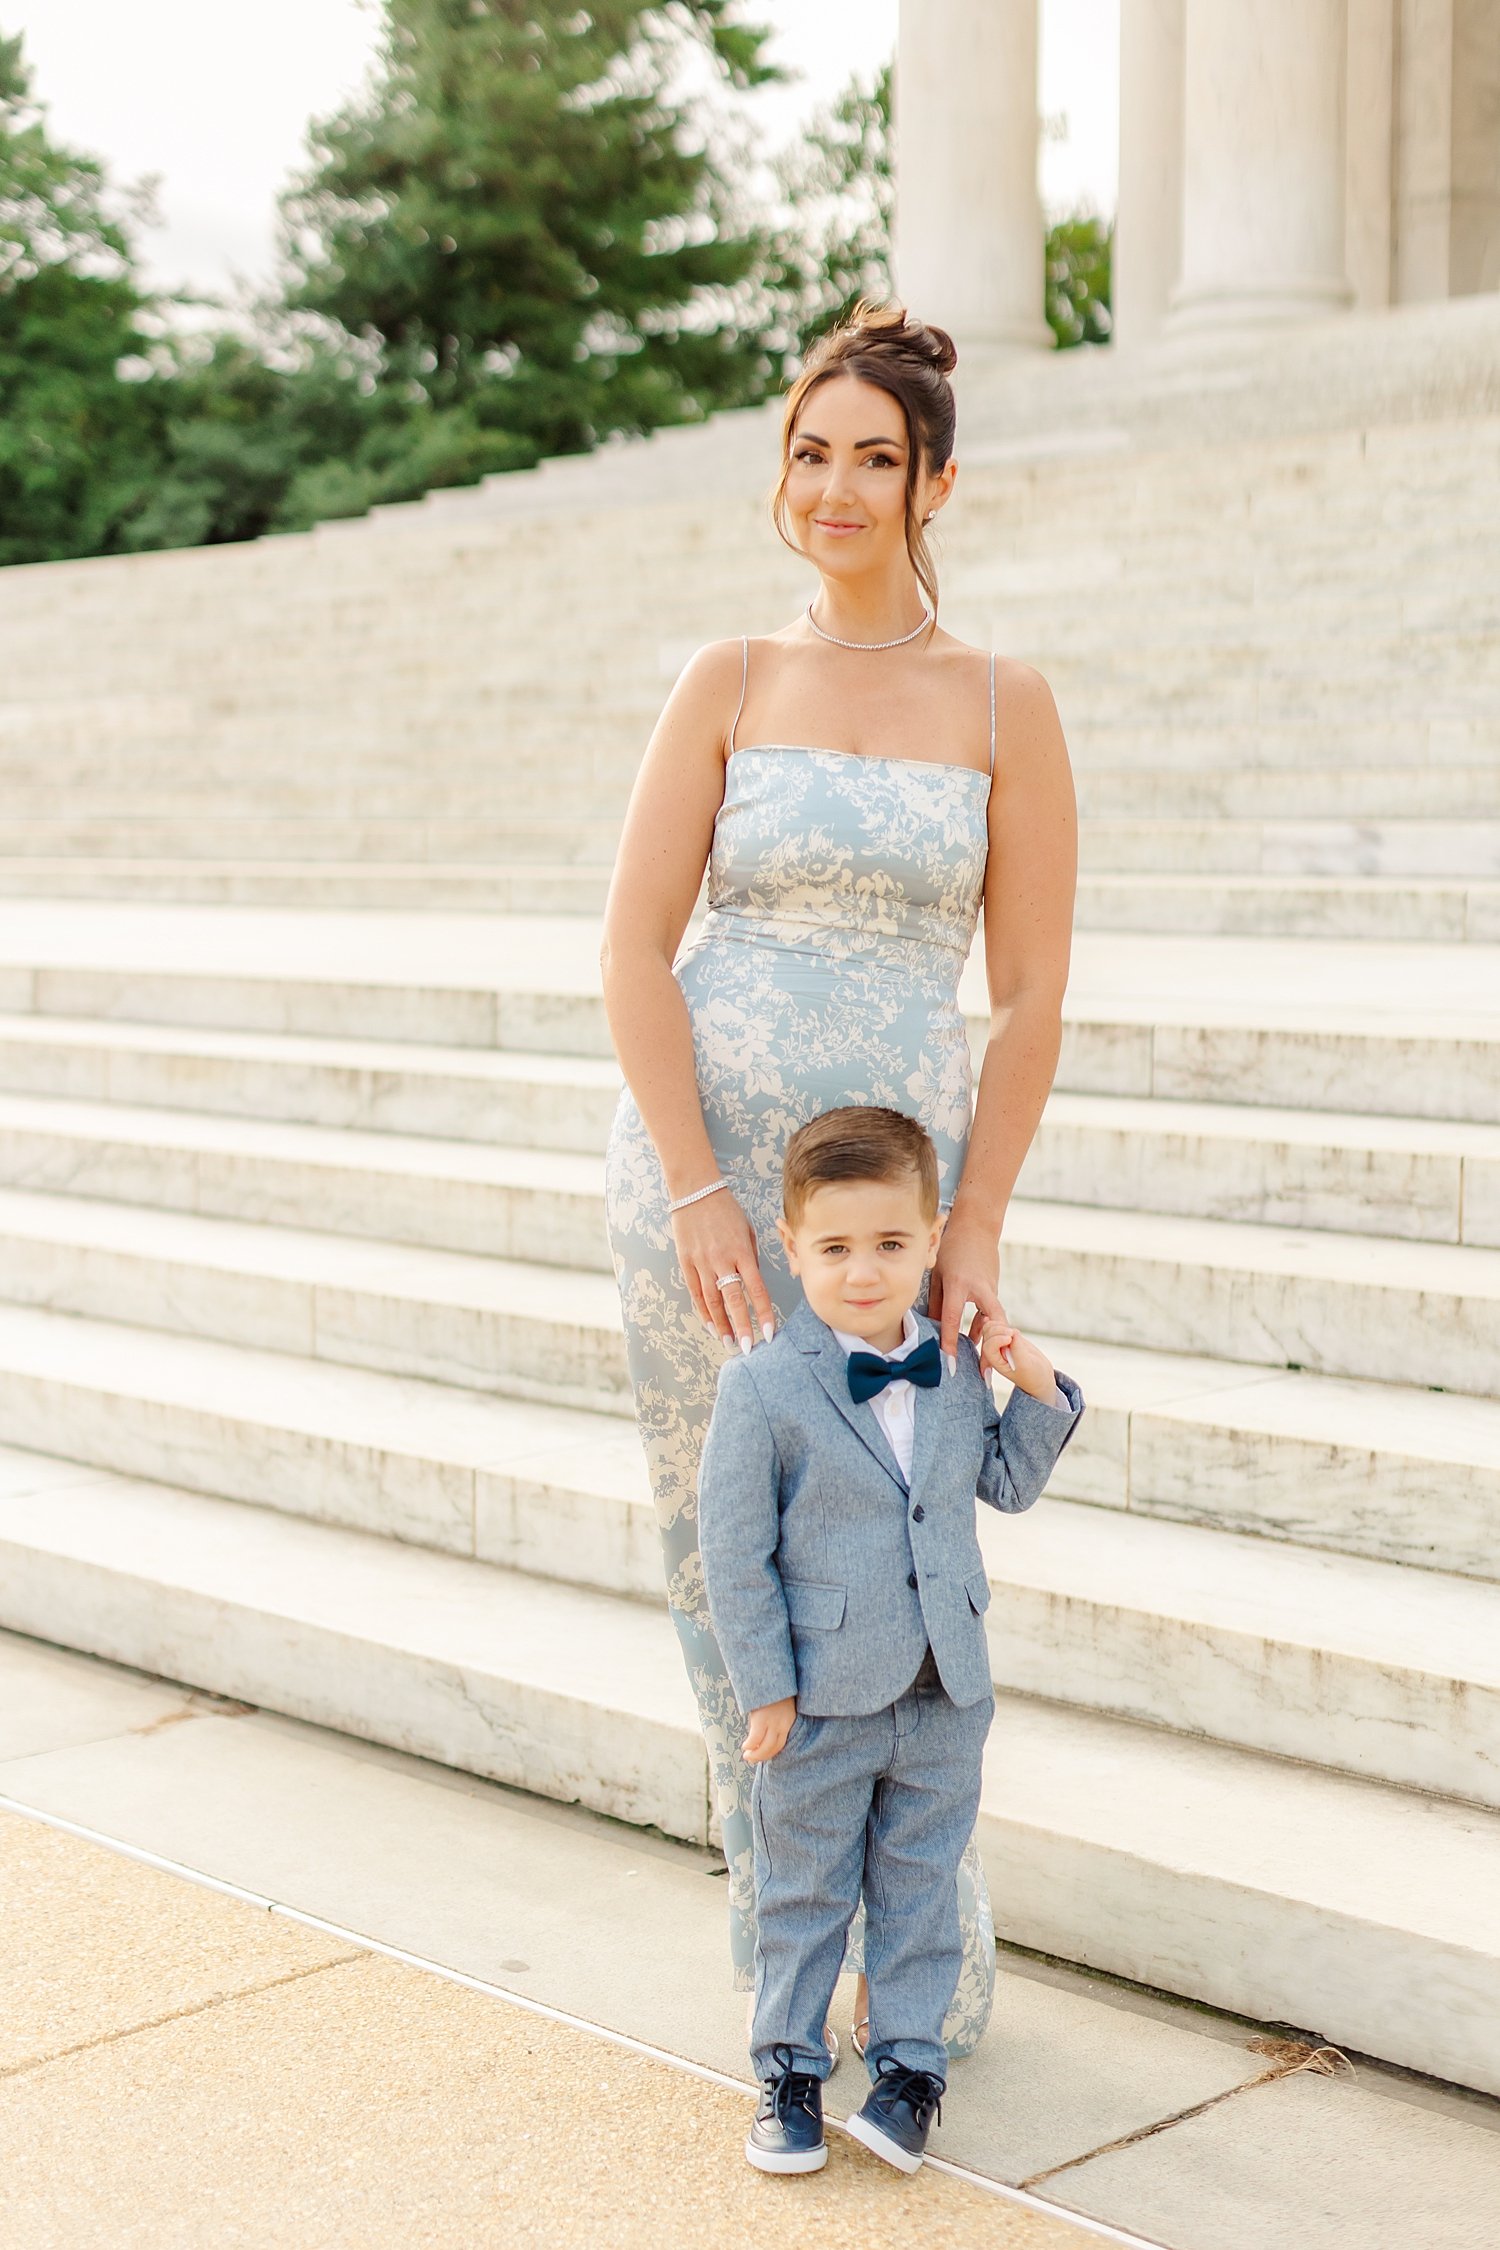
pixel 970 243
pixel 1148 229
pixel 1369 178
pixel 1263 164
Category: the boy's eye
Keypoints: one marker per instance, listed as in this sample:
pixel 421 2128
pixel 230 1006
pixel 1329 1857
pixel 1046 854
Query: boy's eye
pixel 893 1246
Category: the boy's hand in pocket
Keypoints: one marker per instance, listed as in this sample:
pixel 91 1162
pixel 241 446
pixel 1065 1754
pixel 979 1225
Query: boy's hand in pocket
pixel 767 1730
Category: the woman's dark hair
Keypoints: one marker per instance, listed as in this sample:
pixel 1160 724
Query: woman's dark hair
pixel 879 344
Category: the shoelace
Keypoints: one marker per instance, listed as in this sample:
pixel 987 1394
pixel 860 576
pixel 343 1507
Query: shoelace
pixel 789 2089
pixel 918 2087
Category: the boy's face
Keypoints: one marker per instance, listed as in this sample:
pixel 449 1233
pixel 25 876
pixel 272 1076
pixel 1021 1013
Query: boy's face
pixel 860 1249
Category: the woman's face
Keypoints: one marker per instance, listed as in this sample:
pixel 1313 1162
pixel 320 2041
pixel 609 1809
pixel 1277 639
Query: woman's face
pixel 846 479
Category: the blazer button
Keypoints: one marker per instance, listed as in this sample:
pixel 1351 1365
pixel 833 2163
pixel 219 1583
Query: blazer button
pixel 911 1580
pixel 918 1513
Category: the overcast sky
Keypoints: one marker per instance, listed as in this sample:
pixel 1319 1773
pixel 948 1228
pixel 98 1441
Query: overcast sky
pixel 214 99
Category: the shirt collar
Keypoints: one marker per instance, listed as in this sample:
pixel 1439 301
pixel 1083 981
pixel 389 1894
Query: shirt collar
pixel 911 1336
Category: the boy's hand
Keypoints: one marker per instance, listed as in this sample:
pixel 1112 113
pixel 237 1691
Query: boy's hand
pixel 1004 1350
pixel 767 1730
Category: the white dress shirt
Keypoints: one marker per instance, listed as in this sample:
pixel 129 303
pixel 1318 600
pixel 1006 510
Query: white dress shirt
pixel 896 1406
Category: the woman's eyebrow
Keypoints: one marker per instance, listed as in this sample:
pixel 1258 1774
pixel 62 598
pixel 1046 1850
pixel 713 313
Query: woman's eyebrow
pixel 809 437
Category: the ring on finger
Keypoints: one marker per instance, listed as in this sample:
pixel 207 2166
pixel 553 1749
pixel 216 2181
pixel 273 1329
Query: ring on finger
pixel 724 1280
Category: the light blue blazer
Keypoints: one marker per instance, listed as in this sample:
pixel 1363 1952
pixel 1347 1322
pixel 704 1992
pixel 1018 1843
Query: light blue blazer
pixel 828 1577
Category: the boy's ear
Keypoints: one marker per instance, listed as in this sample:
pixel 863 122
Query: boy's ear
pixel 935 1238
pixel 788 1244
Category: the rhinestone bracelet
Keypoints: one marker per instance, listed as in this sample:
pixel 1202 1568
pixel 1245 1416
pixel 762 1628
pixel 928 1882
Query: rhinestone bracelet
pixel 697 1195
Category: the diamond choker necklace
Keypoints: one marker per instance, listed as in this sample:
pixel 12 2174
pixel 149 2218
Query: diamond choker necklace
pixel 871 647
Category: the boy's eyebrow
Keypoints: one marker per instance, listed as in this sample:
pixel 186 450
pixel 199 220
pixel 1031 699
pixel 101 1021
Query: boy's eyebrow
pixel 886 1234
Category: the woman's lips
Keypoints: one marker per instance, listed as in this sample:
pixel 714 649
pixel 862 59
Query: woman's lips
pixel 827 523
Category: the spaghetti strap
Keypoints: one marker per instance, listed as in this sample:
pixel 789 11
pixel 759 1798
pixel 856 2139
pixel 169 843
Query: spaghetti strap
pixel 744 683
pixel 992 717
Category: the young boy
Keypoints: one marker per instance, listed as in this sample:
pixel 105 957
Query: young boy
pixel 847 1589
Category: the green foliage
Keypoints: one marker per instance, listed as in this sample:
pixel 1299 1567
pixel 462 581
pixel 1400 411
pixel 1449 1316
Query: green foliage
pixel 74 438
pixel 839 186
pixel 521 237
pixel 524 221
pixel 1078 269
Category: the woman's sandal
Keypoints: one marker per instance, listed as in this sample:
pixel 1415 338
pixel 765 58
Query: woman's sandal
pixel 860 2036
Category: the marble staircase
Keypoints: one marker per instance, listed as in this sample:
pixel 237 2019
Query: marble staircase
pixel 312 1386
pixel 312 1390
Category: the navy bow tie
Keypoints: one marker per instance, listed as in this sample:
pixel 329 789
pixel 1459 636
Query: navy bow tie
pixel 869 1373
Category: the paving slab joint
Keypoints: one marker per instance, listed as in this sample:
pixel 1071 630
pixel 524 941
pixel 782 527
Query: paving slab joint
pixel 175 2015
pixel 1292 2056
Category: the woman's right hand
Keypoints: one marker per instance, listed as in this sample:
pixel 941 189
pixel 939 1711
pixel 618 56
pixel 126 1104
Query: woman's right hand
pixel 716 1248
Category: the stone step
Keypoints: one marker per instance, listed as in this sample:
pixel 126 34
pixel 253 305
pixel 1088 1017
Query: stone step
pixel 1364 1666
pixel 558 1102
pixel 1343 1303
pixel 1338 1172
pixel 1253 1021
pixel 1389 1473
pixel 482 1324
pixel 394 852
pixel 1358 1912
pixel 555 1689
pixel 1413 909
pixel 526 1194
pixel 505 1202
pixel 1389 795
pixel 1282 1891
pixel 1271 798
pixel 1242 845
pixel 519 889
pixel 1401 908
pixel 1342 1662
pixel 1364 1306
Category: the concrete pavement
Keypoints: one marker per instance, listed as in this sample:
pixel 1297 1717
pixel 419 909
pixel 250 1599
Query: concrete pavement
pixel 182 2067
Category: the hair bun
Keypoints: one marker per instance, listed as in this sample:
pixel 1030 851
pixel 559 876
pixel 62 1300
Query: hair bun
pixel 873 326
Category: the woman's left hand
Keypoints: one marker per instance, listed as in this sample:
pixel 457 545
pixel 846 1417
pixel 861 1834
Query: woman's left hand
pixel 967 1272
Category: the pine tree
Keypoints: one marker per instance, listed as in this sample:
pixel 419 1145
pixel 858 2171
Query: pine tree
pixel 524 220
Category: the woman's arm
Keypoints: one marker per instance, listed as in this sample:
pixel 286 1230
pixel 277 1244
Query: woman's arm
pixel 1028 926
pixel 663 851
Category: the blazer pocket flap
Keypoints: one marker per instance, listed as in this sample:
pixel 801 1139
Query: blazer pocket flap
pixel 977 1587
pixel 819 1607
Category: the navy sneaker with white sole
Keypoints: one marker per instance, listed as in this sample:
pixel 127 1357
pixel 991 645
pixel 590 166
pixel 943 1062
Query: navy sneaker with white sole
pixel 787 2135
pixel 898 2114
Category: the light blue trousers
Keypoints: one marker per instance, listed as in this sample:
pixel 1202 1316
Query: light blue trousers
pixel 886 1804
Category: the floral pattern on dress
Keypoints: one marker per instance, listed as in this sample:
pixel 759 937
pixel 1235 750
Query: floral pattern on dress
pixel 843 894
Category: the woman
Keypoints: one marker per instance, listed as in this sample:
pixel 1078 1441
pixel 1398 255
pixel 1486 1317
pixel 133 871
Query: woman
pixel 856 785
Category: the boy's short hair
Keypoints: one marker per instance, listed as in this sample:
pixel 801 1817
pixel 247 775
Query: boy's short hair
pixel 858 1144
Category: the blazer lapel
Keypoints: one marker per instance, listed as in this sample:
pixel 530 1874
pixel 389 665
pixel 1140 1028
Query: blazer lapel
pixel 831 1367
pixel 929 1407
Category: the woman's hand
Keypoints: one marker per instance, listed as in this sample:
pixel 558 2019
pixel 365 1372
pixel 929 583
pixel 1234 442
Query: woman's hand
pixel 967 1272
pixel 721 1265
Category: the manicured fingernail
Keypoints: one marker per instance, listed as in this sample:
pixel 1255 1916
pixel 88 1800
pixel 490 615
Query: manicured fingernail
pixel 768 1329
pixel 745 1344
pixel 1010 1363
pixel 952 1359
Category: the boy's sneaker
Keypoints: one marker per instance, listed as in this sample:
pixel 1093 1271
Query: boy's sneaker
pixel 787 2135
pixel 898 2114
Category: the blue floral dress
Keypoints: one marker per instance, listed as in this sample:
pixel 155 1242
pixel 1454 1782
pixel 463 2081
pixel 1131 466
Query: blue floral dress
pixel 843 893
